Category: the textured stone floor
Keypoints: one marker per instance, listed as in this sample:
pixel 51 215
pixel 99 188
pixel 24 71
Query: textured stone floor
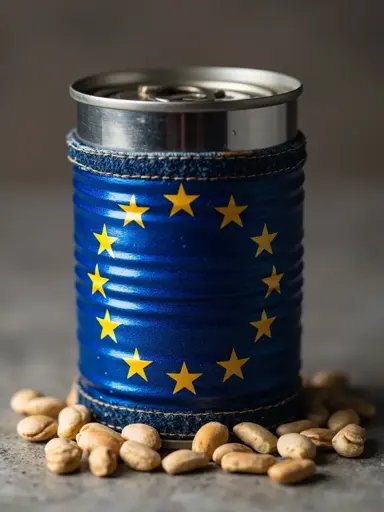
pixel 343 327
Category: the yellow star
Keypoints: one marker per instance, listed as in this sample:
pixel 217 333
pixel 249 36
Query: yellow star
pixel 264 241
pixel 134 212
pixel 184 379
pixel 263 325
pixel 273 282
pixel 108 327
pixel 233 366
pixel 181 201
pixel 105 241
pixel 98 281
pixel 231 212
pixel 137 365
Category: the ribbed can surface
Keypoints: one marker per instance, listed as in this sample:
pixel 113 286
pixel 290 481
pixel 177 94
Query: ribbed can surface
pixel 189 285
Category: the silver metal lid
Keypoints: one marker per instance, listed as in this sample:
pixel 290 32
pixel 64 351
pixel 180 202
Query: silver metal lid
pixel 187 109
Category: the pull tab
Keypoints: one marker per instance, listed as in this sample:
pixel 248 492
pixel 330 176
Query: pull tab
pixel 169 93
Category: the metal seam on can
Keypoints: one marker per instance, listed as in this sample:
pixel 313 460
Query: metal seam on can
pixel 281 88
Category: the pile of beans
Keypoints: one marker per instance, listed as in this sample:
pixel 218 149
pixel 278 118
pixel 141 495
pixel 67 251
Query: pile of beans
pixel 332 422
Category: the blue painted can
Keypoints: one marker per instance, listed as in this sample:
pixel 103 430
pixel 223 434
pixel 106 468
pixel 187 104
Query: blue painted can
pixel 188 207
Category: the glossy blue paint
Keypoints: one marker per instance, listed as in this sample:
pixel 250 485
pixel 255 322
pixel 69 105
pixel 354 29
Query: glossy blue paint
pixel 184 290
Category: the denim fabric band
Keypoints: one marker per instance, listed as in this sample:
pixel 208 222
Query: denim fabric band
pixel 189 166
pixel 184 424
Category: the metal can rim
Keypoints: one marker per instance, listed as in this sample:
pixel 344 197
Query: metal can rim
pixel 284 88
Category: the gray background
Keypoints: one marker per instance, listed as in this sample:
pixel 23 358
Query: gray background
pixel 337 49
pixel 334 46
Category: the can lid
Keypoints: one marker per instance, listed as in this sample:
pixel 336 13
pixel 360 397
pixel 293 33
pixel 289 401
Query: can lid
pixel 192 89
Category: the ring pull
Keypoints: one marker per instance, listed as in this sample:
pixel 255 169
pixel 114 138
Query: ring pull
pixel 169 93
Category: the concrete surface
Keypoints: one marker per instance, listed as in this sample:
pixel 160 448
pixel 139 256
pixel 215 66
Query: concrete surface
pixel 343 324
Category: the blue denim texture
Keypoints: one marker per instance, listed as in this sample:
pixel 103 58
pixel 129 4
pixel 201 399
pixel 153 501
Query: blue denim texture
pixel 282 158
pixel 185 424
pixel 185 289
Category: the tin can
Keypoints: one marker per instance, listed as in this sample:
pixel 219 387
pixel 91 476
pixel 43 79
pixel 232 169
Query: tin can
pixel 188 205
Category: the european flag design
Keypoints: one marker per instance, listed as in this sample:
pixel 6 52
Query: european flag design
pixel 188 296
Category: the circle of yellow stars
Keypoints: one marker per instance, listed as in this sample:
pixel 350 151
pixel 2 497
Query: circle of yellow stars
pixel 181 201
